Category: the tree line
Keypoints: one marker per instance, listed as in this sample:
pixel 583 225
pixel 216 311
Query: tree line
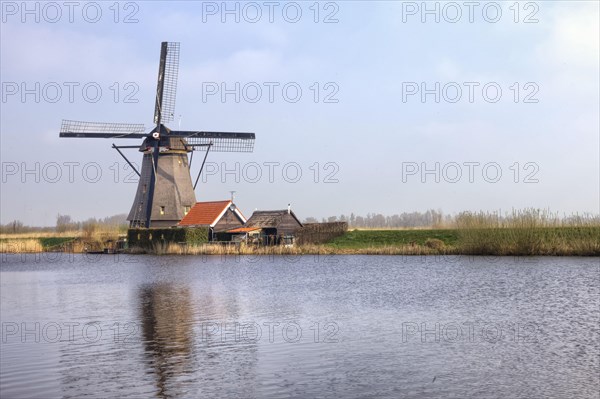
pixel 66 223
pixel 529 217
pixel 429 218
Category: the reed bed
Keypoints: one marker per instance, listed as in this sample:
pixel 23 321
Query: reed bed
pixel 218 249
pixel 20 245
pixel 39 234
pixel 90 234
pixel 69 241
pixel 528 232
pixel 36 245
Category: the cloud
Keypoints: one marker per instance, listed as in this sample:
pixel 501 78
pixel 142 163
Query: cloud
pixel 573 39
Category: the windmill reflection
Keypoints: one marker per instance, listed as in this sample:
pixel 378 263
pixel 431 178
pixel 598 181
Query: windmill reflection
pixel 167 332
pixel 174 331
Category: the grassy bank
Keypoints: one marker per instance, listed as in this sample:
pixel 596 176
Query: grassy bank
pixel 522 233
pixel 35 244
pixel 539 241
pixel 551 241
pixel 70 241
pixel 358 239
pixel 556 241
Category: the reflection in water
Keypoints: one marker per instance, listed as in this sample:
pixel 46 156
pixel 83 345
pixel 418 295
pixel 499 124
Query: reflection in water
pixel 180 347
pixel 166 322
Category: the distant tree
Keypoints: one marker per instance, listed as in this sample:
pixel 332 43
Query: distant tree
pixel 379 220
pixel 14 227
pixel 310 219
pixel 88 228
pixel 360 221
pixel 116 220
pixel 17 226
pixel 332 219
pixel 429 218
pixel 63 223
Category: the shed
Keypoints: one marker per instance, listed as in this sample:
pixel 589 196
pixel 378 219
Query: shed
pixel 276 226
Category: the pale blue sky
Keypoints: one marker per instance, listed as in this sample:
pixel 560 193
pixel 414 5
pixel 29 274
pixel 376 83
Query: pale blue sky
pixel 372 54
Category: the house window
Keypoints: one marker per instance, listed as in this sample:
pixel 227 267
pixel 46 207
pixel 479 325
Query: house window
pixel 186 209
pixel 162 210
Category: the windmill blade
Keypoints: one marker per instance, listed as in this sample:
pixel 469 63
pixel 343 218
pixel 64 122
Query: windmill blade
pixel 166 87
pixel 218 141
pixel 70 128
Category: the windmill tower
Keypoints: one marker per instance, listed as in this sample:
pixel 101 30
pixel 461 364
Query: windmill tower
pixel 165 192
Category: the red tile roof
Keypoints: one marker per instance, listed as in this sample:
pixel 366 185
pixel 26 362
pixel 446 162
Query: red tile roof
pixel 204 213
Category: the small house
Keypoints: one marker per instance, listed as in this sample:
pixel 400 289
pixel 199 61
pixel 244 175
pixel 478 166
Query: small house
pixel 276 227
pixel 218 216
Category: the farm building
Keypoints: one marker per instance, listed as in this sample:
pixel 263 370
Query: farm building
pixel 269 227
pixel 218 216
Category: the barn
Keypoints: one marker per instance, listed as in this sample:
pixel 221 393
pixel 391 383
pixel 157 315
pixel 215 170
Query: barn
pixel 276 227
pixel 218 216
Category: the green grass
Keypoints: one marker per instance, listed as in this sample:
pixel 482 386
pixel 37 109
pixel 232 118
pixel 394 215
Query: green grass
pixel 577 241
pixel 48 242
pixel 356 239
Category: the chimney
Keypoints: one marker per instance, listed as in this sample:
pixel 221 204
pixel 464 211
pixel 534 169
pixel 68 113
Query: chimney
pixel 289 208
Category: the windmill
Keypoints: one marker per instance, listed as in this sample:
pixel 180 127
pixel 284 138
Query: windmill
pixel 165 192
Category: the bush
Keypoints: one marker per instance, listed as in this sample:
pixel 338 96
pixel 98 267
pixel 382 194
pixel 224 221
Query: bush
pixel 434 243
pixel 149 238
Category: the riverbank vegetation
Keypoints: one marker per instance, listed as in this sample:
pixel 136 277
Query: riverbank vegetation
pixel 520 233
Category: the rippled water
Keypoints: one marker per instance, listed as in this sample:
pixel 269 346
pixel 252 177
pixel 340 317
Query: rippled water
pixel 346 326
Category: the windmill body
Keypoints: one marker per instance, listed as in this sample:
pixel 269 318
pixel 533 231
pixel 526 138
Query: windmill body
pixel 173 190
pixel 165 191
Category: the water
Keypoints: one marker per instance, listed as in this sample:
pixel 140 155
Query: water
pixel 306 326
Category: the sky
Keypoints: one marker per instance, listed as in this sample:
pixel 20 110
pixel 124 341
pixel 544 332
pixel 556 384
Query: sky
pixel 363 107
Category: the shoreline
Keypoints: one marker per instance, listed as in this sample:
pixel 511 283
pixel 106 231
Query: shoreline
pixel 542 241
pixel 218 250
pixel 366 252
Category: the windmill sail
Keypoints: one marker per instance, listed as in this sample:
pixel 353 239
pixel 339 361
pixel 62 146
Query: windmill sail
pixel 166 87
pixel 71 128
pixel 220 141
